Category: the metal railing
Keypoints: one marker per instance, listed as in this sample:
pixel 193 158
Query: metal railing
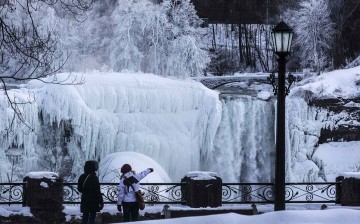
pixel 154 193
pixel 174 193
pixel 12 193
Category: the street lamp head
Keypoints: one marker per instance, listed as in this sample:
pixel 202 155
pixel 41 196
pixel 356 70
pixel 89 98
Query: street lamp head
pixel 282 36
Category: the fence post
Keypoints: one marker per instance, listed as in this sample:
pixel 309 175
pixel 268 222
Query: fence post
pixel 24 193
pixel 202 189
pixel 338 180
pixel 44 195
pixel 167 212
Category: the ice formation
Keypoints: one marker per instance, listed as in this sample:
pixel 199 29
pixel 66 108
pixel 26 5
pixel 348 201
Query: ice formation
pixel 172 121
pixel 180 124
pixel 110 165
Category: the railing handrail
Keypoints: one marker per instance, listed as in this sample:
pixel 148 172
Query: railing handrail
pixel 174 193
pixel 183 183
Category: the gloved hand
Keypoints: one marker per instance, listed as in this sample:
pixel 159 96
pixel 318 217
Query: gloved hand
pixel 101 206
pixel 119 208
pixel 151 169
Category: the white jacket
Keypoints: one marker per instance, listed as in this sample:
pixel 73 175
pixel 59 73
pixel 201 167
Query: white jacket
pixel 128 194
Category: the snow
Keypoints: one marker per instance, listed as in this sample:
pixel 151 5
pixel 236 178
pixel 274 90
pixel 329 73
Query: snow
pixel 335 216
pixel 264 95
pixel 335 84
pixel 44 185
pixel 352 104
pixel 295 214
pixel 6 211
pixel 42 174
pixel 355 175
pixel 110 165
pixel 338 157
pixel 201 175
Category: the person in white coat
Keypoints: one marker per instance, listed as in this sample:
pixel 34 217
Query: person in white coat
pixel 129 183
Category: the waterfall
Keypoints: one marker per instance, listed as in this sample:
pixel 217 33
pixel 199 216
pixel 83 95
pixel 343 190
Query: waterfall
pixel 244 143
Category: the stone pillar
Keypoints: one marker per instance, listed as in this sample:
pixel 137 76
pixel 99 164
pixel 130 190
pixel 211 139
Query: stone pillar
pixel 349 189
pixel 203 189
pixel 43 193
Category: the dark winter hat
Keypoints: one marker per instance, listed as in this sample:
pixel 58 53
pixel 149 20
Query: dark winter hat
pixel 91 166
pixel 125 168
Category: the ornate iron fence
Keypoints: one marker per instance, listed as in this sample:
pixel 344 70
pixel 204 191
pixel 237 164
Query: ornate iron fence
pixel 247 193
pixel 312 192
pixel 153 193
pixel 263 193
pixel 11 193
pixel 172 193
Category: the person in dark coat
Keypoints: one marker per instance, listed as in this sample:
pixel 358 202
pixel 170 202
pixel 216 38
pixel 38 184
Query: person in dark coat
pixel 91 198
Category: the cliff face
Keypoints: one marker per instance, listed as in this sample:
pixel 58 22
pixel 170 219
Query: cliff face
pixel 322 121
pixel 347 121
pixel 342 122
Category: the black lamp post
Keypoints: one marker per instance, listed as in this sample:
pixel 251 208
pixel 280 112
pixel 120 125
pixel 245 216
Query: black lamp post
pixel 282 37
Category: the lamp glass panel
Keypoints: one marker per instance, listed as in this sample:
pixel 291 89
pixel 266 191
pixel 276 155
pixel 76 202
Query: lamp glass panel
pixel 291 34
pixel 278 45
pixel 286 38
pixel 273 40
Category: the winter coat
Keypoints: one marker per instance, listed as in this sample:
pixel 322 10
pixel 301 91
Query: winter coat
pixel 91 198
pixel 127 193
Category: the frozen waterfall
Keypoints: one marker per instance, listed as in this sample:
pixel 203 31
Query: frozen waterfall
pixel 180 124
pixel 244 144
pixel 171 121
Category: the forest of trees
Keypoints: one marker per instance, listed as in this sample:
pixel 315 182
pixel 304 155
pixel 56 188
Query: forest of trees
pixel 168 38
pixel 326 33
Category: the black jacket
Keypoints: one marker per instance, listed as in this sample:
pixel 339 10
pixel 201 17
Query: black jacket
pixel 91 198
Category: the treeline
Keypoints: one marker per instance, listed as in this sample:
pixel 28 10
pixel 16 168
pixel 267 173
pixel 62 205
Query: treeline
pixel 239 47
pixel 326 37
pixel 167 37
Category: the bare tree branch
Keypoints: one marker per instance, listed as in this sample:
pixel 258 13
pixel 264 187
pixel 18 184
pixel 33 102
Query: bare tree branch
pixel 26 53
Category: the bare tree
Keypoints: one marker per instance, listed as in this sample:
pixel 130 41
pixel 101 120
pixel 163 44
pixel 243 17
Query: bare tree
pixel 314 33
pixel 27 52
pixel 346 15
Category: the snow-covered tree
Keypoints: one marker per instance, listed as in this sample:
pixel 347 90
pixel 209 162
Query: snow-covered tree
pixel 185 57
pixel 147 37
pixel 314 33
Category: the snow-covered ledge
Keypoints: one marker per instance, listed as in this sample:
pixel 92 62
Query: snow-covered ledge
pixel 201 175
pixel 350 175
pixel 42 174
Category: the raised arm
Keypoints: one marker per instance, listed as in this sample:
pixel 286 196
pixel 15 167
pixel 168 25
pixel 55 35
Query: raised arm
pixel 143 174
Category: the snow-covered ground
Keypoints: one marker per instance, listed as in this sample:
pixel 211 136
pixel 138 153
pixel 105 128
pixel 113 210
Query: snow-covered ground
pixel 344 216
pixel 296 214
